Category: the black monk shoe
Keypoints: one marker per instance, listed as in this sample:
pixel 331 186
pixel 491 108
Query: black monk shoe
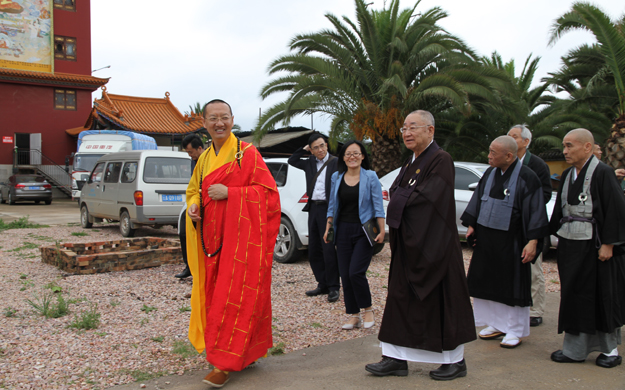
pixel 535 321
pixel 317 291
pixel 333 296
pixel 447 372
pixel 388 366
pixel 606 361
pixel 184 274
pixel 560 357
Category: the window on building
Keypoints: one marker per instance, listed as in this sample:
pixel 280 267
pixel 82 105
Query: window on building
pixel 69 5
pixel 64 99
pixel 64 48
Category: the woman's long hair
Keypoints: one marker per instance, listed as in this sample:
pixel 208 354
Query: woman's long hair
pixel 342 167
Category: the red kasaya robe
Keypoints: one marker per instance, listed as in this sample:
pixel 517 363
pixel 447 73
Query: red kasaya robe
pixel 231 297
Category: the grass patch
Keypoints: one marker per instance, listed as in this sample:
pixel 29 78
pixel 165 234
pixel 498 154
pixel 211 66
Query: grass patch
pixel 277 349
pixel 144 321
pixel 74 301
pixel 184 308
pixel 185 349
pixel 148 309
pixel 46 306
pixel 52 286
pixel 27 245
pixel 9 312
pixel 88 319
pixel 101 334
pixel 555 281
pixel 95 230
pixel 79 234
pixel 21 223
pixel 40 238
pixel 142 376
pixel 158 339
pixel 316 325
pixel 114 303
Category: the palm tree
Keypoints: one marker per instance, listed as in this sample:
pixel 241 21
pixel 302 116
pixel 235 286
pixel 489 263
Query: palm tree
pixel 371 73
pixel 604 82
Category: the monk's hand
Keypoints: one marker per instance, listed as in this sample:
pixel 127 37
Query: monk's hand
pixel 325 235
pixel 529 252
pixel 217 192
pixel 470 232
pixel 194 213
pixel 605 252
pixel 380 237
pixel 620 172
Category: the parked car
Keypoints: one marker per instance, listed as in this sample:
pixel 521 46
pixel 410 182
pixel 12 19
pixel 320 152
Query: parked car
pixel 468 174
pixel 137 188
pixel 293 234
pixel 28 187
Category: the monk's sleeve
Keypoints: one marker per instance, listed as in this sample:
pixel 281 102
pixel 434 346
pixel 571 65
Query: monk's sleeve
pixel 535 213
pixel 470 214
pixel 193 189
pixel 611 219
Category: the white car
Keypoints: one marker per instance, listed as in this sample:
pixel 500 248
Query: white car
pixel 293 235
pixel 468 174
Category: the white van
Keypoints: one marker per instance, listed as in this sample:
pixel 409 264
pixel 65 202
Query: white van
pixel 143 187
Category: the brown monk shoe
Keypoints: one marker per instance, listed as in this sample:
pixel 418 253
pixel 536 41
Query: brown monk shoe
pixel 216 378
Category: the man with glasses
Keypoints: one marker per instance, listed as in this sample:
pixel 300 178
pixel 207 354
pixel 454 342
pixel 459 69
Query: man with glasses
pixel 234 218
pixel 319 168
pixel 428 316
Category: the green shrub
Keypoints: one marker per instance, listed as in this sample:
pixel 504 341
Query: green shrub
pixel 21 223
pixel 47 307
pixel 147 308
pixel 9 312
pixel 277 349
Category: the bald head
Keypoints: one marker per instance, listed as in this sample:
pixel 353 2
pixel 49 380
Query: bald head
pixel 502 152
pixel 578 145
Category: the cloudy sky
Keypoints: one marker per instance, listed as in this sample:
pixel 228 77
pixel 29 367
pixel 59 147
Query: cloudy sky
pixel 198 50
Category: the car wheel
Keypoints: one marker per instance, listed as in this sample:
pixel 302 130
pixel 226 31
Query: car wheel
pixel 49 201
pixel 2 198
pixel 125 225
pixel 11 200
pixel 37 201
pixel 377 248
pixel 286 250
pixel 85 218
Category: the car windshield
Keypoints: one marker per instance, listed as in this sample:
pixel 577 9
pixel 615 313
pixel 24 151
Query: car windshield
pixel 29 179
pixel 85 162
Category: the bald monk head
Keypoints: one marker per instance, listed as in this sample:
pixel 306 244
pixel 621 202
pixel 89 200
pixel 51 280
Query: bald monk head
pixel 578 145
pixel 502 152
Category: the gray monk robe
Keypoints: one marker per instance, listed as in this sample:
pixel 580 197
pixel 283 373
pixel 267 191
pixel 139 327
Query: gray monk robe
pixel 428 305
pixel 592 305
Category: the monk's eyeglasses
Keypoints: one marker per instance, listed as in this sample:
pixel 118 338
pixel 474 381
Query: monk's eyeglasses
pixel 411 129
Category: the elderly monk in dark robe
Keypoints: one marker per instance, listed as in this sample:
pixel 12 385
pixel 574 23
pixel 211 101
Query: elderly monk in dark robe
pixel 234 217
pixel 428 316
pixel 507 221
pixel 589 219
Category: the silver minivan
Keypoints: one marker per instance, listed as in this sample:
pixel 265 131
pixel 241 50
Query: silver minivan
pixel 143 187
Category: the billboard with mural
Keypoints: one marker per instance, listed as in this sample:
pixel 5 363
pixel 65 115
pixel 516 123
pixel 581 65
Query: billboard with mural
pixel 26 37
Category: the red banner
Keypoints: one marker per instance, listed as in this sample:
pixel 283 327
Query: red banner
pixel 7 140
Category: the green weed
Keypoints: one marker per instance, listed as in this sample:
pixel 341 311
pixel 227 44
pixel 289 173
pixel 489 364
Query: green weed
pixel 88 319
pixel 158 339
pixel 316 325
pixel 52 286
pixel 27 245
pixel 142 376
pixel 9 312
pixel 184 349
pixel 148 309
pixel 46 307
pixel 79 234
pixel 277 349
pixel 184 308
pixel 114 303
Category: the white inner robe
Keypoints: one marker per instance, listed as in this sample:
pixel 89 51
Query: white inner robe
pixel 421 355
pixel 512 320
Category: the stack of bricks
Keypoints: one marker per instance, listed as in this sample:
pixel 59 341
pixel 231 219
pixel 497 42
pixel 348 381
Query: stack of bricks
pixel 107 256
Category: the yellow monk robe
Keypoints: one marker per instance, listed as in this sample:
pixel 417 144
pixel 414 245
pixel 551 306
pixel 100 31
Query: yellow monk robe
pixel 231 297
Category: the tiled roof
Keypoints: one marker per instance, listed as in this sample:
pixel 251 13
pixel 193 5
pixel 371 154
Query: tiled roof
pixel 61 79
pixel 143 115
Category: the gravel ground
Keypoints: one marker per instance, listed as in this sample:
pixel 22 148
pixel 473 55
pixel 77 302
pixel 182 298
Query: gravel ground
pixel 144 314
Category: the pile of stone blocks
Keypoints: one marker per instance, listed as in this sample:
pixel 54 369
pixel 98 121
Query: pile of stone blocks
pixel 118 255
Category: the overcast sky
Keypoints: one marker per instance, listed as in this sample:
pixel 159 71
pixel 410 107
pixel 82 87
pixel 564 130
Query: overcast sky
pixel 199 50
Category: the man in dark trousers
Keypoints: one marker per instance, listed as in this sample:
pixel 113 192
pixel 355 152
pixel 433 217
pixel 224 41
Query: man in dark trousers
pixel 589 219
pixel 194 146
pixel 523 137
pixel 319 169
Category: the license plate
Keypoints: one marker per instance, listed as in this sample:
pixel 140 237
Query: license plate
pixel 35 188
pixel 171 198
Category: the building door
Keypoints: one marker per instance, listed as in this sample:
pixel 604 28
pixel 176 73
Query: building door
pixel 22 143
pixel 35 148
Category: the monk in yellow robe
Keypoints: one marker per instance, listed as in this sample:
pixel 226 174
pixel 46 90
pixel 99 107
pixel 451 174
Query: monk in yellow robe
pixel 234 217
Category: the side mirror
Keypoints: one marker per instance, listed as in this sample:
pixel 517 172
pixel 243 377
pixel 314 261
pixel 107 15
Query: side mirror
pixel 473 186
